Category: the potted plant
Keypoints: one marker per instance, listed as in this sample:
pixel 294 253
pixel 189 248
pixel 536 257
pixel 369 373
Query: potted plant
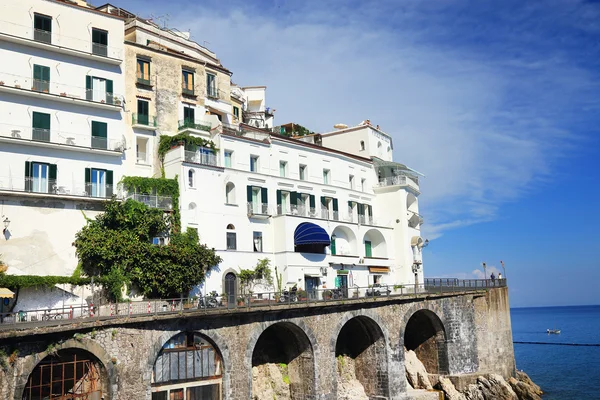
pixel 327 295
pixel 117 101
pixel 64 94
pixel 240 301
pixel 17 86
pixel 102 101
pixel 301 294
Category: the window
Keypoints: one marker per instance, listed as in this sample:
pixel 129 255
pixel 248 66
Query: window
pixel 351 181
pixel 99 89
pixel 98 182
pixel 236 112
pixel 362 184
pixel 143 71
pixel 282 169
pixel 40 127
pixel 231 238
pixel 326 176
pixel 189 115
pixel 191 174
pixel 143 116
pixel 187 82
pixel 211 85
pixel 41 78
pixel 332 246
pixel 230 193
pixel 285 199
pixel 141 148
pixel 254 163
pixel 99 42
pixel 99 135
pixel 258 247
pixel 362 145
pixel 40 177
pixel 302 172
pixel 42 28
pixel 257 199
pixel 228 157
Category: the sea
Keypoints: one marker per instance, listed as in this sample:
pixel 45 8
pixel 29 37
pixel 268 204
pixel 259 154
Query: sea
pixel 563 372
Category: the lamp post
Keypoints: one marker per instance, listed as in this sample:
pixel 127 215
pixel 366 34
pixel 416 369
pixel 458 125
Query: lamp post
pixel 484 271
pixel 503 268
pixel 6 224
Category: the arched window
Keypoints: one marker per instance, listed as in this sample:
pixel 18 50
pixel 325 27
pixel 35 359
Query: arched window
pixel 362 145
pixel 230 193
pixel 191 182
pixel 231 238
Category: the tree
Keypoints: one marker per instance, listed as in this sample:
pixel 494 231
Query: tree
pixel 260 275
pixel 117 248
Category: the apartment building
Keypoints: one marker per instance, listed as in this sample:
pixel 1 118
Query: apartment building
pixel 325 217
pixel 61 127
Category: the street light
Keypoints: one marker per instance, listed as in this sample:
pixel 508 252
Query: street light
pixel 503 268
pixel 484 270
pixel 6 224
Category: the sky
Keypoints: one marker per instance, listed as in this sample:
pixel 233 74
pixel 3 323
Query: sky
pixel 497 103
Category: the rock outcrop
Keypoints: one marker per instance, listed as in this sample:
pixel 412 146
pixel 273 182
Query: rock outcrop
pixel 472 392
pixel 415 371
pixel 524 387
pixel 494 387
pixel 348 387
pixel 449 390
pixel 268 382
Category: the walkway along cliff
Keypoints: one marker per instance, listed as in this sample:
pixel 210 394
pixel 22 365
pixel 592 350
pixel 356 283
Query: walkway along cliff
pixel 220 354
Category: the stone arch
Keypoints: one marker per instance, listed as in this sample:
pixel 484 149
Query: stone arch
pixel 362 336
pixel 191 178
pixel 378 243
pixel 212 336
pixel 425 334
pixel 300 357
pixel 345 241
pixel 87 345
pixel 230 193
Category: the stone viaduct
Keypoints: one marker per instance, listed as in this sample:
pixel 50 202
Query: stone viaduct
pixel 459 334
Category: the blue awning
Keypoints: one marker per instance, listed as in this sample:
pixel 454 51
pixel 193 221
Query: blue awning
pixel 308 233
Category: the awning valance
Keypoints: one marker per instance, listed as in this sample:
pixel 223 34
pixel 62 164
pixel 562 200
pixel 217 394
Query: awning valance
pixel 6 294
pixel 379 270
pixel 309 233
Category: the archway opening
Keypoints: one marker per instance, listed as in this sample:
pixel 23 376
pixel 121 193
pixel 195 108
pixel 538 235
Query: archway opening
pixel 343 242
pixel 425 335
pixel 374 244
pixel 361 356
pixel 68 374
pixel 283 364
pixel 188 367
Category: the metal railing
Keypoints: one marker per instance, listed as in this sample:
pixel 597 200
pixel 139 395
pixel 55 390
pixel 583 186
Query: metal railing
pixel 214 93
pixel 330 215
pixel 298 210
pixel 64 41
pixel 200 157
pixel 60 187
pixel 153 201
pixel 225 303
pixel 194 124
pixel 144 81
pixel 143 119
pixel 60 137
pixel 187 92
pixel 59 89
pixel 258 208
pixel 401 180
pixel 141 157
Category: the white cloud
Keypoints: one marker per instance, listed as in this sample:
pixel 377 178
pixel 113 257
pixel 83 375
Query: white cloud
pixel 485 127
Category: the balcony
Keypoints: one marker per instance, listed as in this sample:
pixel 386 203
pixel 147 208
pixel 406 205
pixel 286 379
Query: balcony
pixel 330 215
pixel 59 139
pixel 54 187
pixel 203 157
pixel 415 220
pixel 187 92
pixel 258 210
pixel 27 86
pixel 194 126
pixel 297 210
pixel 143 121
pixel 401 180
pixel 216 94
pixel 27 35
pixel 152 201
pixel 144 80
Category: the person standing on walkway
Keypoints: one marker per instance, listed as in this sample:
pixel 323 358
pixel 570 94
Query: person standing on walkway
pixel 493 278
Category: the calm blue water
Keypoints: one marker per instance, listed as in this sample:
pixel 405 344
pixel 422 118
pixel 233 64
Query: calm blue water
pixel 563 372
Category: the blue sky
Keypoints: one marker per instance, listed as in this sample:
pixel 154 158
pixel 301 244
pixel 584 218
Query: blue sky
pixel 496 102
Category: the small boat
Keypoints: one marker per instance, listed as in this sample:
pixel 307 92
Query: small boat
pixel 553 331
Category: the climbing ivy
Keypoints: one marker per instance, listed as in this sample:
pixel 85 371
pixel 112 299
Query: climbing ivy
pixel 25 281
pixel 166 143
pixel 158 186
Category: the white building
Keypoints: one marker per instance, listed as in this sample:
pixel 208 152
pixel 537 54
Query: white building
pixel 61 127
pixel 325 217
pixel 256 113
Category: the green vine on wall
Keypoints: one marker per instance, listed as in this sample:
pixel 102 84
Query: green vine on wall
pixel 166 143
pixel 25 281
pixel 158 186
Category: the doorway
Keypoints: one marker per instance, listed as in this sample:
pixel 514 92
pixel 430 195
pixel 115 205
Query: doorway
pixel 230 289
pixel 312 284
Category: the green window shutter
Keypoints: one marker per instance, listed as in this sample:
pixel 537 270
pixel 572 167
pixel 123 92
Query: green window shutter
pixel 46 74
pixel 249 192
pixel 263 195
pixel 294 198
pixel 368 249
pixel 88 181
pixel 109 183
pixel 52 173
pixel 350 205
pixel 323 202
pixel 278 197
pixel 335 205
pixel 28 175
pixel 109 92
pixel 99 129
pixel 41 73
pixel 88 88
pixel 332 247
pixel 41 120
pixel 361 209
pixel 312 201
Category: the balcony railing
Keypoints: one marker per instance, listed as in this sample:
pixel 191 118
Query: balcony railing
pixel 187 92
pixel 297 210
pixel 59 89
pixel 141 157
pixel 144 80
pixel 194 124
pixel 214 93
pixel 330 215
pixel 401 180
pixel 59 187
pixel 152 201
pixel 143 119
pixel 200 157
pixel 18 132
pixel 258 208
pixel 59 40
